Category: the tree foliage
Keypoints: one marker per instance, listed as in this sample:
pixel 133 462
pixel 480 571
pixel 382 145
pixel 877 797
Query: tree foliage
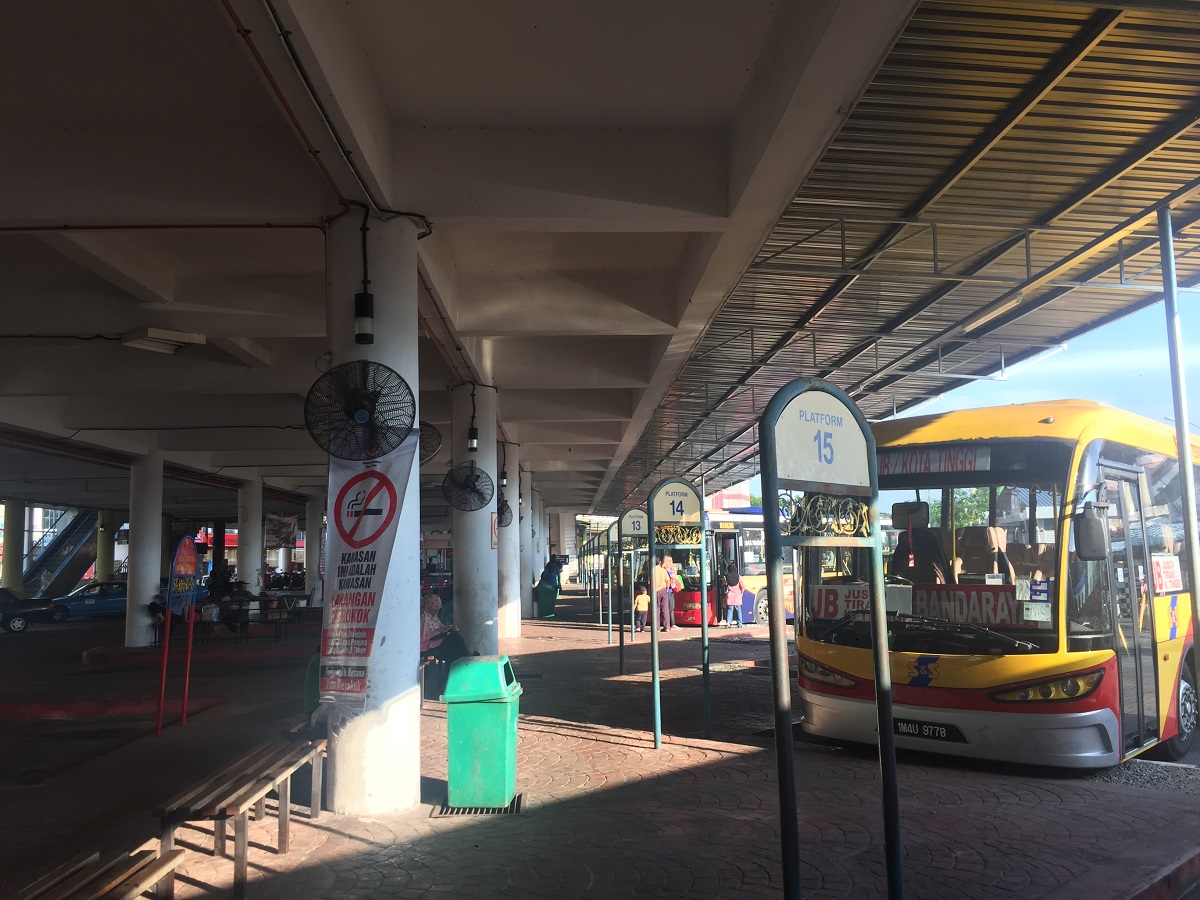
pixel 970 508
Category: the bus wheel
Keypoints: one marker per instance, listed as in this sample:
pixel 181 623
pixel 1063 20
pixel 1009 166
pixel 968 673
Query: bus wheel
pixel 1177 747
pixel 760 609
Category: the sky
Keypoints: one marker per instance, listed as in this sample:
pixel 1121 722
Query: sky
pixel 1123 364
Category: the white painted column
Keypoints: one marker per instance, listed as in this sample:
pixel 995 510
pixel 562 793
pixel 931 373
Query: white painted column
pixel 106 533
pixel 145 546
pixel 375 761
pixel 250 534
pixel 476 579
pixel 539 533
pixel 509 553
pixel 528 575
pixel 314 512
pixel 13 573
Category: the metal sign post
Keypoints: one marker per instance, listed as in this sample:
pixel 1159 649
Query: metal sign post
pixel 632 527
pixel 675 513
pixel 1183 434
pixel 601 553
pixel 814 439
pixel 704 616
pixel 611 543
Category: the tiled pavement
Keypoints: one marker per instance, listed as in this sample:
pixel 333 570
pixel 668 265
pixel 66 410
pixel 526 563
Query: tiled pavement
pixel 606 815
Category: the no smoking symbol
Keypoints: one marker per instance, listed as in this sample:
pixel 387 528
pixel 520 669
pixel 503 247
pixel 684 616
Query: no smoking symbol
pixel 365 508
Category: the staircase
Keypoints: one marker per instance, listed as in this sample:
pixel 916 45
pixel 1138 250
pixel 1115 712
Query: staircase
pixel 57 562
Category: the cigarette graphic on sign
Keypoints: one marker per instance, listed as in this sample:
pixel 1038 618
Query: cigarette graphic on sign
pixel 354 508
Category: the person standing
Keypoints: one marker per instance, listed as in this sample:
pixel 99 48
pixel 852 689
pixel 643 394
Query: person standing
pixel 733 596
pixel 665 582
pixel 641 607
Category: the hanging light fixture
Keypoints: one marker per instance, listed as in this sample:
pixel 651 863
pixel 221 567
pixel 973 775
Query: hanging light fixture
pixel 504 465
pixel 364 303
pixel 472 431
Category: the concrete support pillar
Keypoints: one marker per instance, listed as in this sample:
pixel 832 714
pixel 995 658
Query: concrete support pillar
pixel 476 579
pixel 13 573
pixel 145 546
pixel 106 534
pixel 218 545
pixel 314 515
pixel 539 532
pixel 285 559
pixel 528 574
pixel 250 534
pixel 375 763
pixel 509 555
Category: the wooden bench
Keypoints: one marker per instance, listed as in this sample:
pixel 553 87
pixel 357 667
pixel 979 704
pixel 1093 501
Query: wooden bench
pixel 234 792
pixel 113 875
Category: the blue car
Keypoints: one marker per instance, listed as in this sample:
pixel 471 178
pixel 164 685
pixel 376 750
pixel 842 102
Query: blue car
pixel 99 598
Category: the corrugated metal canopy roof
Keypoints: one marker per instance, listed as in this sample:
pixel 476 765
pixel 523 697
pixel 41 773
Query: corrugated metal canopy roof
pixel 992 194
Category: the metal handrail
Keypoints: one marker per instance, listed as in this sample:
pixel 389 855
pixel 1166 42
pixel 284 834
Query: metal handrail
pixel 48 535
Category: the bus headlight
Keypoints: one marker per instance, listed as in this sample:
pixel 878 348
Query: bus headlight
pixel 1073 687
pixel 814 671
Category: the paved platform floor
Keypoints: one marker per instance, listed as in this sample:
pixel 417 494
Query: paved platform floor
pixel 606 815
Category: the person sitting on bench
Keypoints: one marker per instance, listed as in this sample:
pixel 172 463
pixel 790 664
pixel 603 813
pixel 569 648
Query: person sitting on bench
pixel 438 640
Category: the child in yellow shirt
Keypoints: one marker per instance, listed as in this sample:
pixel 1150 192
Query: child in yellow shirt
pixel 641 606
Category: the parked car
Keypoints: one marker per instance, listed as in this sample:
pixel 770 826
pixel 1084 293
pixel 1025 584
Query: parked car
pixel 98 598
pixel 17 612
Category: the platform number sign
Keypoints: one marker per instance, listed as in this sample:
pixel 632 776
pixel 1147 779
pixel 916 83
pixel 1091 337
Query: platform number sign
pixel 677 504
pixel 634 523
pixel 820 444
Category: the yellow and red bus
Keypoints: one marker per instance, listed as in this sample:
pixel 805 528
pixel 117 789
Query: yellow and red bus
pixel 1007 640
pixel 735 538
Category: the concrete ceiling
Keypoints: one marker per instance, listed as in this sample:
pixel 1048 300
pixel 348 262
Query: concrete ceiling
pixel 598 177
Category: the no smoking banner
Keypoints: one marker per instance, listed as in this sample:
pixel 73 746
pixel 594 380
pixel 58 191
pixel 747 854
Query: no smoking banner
pixel 365 508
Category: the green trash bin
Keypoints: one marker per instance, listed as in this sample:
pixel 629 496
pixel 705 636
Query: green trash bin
pixel 482 696
pixel 547 595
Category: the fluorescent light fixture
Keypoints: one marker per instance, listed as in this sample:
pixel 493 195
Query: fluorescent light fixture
pixel 988 314
pixel 1026 363
pixel 160 340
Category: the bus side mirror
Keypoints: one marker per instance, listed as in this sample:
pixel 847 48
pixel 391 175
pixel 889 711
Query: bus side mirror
pixel 1091 533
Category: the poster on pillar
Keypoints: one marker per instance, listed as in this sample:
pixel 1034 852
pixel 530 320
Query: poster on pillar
pixel 366 498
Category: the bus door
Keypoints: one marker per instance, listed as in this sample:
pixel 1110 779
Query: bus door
pixel 1132 609
pixel 725 553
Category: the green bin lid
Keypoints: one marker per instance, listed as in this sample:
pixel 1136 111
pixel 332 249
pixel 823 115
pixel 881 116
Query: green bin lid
pixel 480 678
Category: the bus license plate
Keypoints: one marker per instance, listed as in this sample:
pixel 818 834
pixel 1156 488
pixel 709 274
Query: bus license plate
pixel 930 731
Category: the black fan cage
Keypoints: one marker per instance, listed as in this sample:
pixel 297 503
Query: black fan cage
pixel 504 513
pixel 360 410
pixel 468 488
pixel 431 442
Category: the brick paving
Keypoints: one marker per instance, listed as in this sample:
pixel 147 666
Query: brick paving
pixel 606 815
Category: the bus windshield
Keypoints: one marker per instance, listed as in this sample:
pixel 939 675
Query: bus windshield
pixel 972 553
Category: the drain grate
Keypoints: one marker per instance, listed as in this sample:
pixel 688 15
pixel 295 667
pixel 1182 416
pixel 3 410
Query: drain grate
pixel 445 810
pixel 526 676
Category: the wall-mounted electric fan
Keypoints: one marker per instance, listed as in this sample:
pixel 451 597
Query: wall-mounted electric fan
pixel 431 442
pixel 468 487
pixel 504 513
pixel 359 410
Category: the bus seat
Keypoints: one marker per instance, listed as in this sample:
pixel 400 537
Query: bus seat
pixel 930 565
pixel 1021 556
pixel 981 552
pixel 1046 562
